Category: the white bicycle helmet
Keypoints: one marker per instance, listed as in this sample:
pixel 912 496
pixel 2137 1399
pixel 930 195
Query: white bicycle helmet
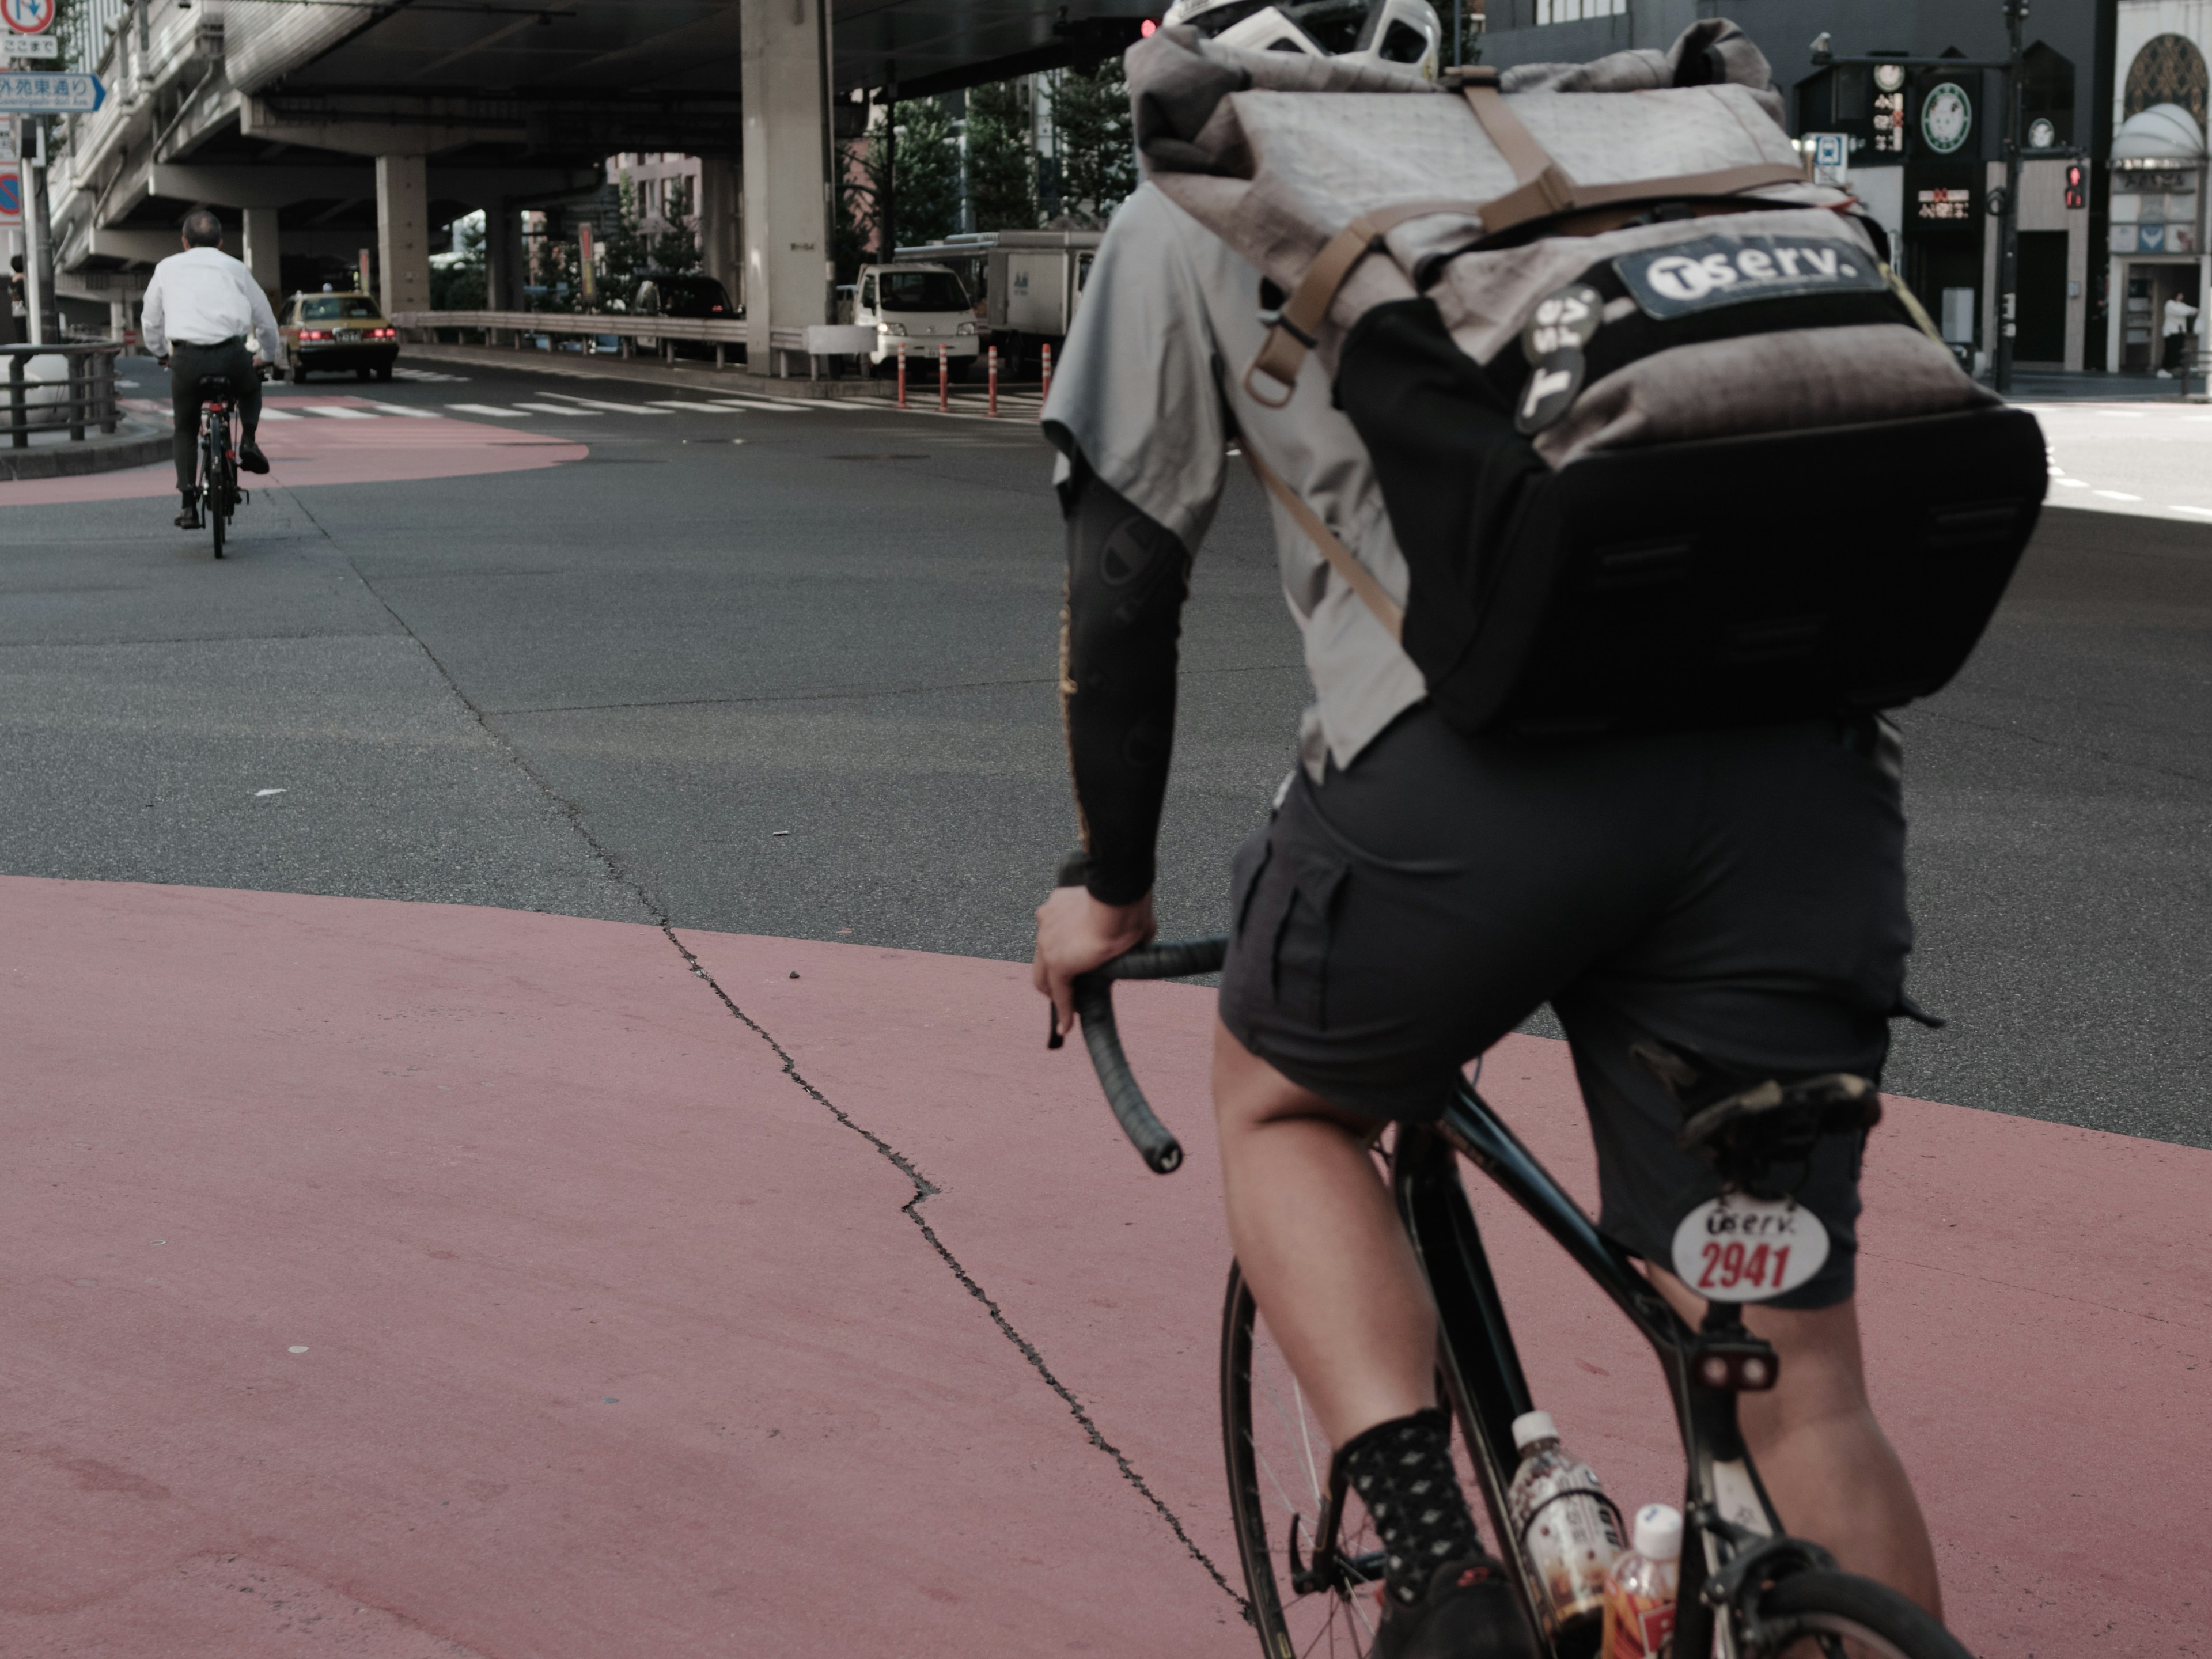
pixel 1381 31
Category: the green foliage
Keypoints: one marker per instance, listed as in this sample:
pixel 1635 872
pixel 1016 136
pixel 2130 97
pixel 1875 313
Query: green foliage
pixel 623 249
pixel 1001 162
pixel 459 283
pixel 927 168
pixel 1097 159
pixel 677 247
pixel 853 238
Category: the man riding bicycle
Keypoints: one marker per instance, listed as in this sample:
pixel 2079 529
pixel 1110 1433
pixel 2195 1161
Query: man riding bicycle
pixel 201 309
pixel 1732 898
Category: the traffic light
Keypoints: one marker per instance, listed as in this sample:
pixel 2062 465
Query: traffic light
pixel 2074 197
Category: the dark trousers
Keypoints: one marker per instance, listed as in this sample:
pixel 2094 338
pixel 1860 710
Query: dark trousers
pixel 2177 352
pixel 188 365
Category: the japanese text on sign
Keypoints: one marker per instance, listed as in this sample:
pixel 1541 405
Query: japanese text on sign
pixel 1946 204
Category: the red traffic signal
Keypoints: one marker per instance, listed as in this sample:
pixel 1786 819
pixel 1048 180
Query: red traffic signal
pixel 2074 197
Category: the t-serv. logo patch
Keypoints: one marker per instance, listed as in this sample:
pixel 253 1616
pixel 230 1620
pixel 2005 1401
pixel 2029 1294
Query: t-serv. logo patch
pixel 1727 271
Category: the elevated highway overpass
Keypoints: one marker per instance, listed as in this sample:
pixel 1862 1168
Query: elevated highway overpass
pixel 319 127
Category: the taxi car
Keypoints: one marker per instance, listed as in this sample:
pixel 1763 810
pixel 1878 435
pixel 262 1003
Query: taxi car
pixel 331 332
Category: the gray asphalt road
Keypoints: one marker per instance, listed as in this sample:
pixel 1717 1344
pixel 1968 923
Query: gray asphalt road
pixel 802 684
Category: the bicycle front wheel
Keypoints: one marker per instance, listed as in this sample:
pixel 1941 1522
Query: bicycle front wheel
pixel 1821 1614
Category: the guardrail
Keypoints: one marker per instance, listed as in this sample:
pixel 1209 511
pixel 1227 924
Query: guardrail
pixel 784 344
pixel 85 397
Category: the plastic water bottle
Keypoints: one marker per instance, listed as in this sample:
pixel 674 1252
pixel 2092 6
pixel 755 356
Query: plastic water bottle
pixel 1569 1532
pixel 1640 1590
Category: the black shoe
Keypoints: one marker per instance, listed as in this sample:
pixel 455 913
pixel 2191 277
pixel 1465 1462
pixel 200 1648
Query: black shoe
pixel 1469 1612
pixel 190 518
pixel 250 457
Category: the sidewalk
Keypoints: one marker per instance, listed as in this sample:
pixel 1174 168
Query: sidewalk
pixel 53 453
pixel 403 1279
pixel 2051 386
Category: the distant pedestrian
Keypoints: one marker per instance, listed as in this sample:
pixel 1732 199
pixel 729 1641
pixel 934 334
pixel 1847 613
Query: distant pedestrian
pixel 2179 311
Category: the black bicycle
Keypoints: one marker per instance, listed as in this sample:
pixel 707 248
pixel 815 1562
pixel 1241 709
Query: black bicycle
pixel 1313 1569
pixel 220 495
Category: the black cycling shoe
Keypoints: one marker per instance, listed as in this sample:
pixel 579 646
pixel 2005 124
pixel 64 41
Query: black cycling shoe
pixel 250 457
pixel 190 518
pixel 1469 1612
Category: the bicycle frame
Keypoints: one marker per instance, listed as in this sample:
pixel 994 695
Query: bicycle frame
pixel 1731 1522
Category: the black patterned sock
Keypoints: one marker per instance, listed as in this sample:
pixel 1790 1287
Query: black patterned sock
pixel 1402 1471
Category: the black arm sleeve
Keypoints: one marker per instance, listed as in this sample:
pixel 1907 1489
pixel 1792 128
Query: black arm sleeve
pixel 1128 577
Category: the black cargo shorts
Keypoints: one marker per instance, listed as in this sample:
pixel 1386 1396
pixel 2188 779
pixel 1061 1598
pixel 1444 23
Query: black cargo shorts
pixel 1739 895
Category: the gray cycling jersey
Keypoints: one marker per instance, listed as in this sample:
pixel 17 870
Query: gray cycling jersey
pixel 1150 390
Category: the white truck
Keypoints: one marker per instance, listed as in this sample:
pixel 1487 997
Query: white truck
pixel 925 307
pixel 1031 282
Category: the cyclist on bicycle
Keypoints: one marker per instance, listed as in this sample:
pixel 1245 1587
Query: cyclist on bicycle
pixel 201 309
pixel 1737 895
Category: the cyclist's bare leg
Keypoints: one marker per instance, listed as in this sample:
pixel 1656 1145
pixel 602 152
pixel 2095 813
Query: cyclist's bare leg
pixel 1319 1243
pixel 1832 1473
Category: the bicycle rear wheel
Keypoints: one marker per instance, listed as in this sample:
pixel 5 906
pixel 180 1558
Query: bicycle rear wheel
pixel 1822 1614
pixel 1279 1465
pixel 211 491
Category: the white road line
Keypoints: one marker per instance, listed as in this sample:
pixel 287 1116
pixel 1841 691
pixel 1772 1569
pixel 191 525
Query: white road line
pixel 771 404
pixel 2074 483
pixel 2123 414
pixel 268 414
pixel 408 410
pixel 556 409
pixel 601 402
pixel 2116 496
pixel 704 409
pixel 486 409
pixel 335 413
pixel 2201 512
pixel 424 374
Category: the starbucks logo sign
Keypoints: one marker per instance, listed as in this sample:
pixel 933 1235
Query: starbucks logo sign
pixel 1947 118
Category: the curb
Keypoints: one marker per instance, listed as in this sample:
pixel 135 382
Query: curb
pixel 132 447
pixel 734 379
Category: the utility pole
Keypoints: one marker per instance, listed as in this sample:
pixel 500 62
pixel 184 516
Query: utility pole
pixel 2008 205
pixel 2008 225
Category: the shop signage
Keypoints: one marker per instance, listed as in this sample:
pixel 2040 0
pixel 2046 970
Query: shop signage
pixel 1947 118
pixel 1954 203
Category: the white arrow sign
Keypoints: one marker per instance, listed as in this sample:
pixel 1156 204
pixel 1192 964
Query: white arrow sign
pixel 37 92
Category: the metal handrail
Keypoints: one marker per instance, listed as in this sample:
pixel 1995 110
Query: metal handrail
pixel 625 324
pixel 91 384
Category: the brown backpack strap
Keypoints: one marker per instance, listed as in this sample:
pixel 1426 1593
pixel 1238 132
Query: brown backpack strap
pixel 1542 189
pixel 1297 324
pixel 1357 576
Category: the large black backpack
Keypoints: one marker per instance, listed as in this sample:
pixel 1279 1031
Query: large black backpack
pixel 1664 441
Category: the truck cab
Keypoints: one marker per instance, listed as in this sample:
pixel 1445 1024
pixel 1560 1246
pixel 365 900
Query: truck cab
pixel 925 305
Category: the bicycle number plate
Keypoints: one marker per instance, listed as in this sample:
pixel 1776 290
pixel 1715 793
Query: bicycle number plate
pixel 1740 1249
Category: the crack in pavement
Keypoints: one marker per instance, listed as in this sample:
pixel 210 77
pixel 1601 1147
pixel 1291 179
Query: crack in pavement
pixel 924 1188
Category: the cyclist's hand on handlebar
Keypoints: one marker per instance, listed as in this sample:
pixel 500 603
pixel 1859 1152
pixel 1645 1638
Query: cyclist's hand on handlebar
pixel 1076 933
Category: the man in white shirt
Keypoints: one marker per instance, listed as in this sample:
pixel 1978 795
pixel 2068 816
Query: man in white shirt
pixel 2179 311
pixel 201 309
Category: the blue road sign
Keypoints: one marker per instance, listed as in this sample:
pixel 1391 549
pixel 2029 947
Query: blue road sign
pixel 39 92
pixel 11 198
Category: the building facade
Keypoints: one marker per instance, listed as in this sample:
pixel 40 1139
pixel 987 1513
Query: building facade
pixel 1925 147
pixel 2156 239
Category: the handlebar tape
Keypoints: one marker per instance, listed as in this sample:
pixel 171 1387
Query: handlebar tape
pixel 1094 1002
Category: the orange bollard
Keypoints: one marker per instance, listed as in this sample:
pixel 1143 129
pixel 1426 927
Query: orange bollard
pixel 1046 393
pixel 943 378
pixel 994 380
pixel 901 374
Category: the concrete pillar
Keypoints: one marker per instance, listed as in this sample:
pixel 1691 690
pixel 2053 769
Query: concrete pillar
pixel 503 275
pixel 257 250
pixel 786 84
pixel 402 231
pixel 721 237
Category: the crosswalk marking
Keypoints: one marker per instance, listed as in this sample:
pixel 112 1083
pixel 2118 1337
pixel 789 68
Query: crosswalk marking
pixel 268 414
pixel 601 402
pixel 336 413
pixel 404 409
pixel 556 409
pixel 780 406
pixel 704 409
pixel 424 374
pixel 486 409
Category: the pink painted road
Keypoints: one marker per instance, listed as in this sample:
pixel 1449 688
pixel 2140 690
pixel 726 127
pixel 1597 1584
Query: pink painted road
pixel 363 442
pixel 400 1280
